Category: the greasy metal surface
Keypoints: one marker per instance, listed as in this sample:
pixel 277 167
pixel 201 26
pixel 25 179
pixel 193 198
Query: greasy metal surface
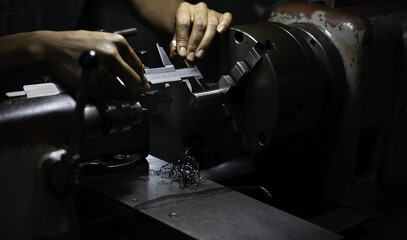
pixel 368 39
pixel 228 215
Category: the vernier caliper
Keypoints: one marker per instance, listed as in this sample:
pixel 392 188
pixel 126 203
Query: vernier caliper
pixel 168 73
pixel 241 70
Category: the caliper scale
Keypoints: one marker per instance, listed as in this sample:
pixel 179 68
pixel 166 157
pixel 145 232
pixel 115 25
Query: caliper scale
pixel 168 73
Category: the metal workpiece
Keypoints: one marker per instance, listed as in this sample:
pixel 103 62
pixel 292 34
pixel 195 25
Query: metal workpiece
pixel 217 215
pixel 282 82
pixel 206 97
pixel 225 83
pixel 216 94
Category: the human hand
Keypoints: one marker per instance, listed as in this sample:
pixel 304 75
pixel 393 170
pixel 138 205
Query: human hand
pixel 196 26
pixel 120 73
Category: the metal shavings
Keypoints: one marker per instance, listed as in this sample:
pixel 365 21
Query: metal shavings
pixel 186 172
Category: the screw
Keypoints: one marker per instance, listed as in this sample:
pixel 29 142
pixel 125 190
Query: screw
pixel 173 214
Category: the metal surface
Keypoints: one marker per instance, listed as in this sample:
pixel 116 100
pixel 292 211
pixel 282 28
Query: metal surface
pixel 293 90
pixel 229 215
pixel 371 124
pixel 239 72
pixel 331 89
pixel 43 120
pixel 30 129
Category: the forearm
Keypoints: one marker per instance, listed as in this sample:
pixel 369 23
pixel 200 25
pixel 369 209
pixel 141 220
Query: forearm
pixel 57 54
pixel 158 13
pixel 18 51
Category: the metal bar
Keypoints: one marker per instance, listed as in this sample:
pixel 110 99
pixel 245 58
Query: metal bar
pixel 129 32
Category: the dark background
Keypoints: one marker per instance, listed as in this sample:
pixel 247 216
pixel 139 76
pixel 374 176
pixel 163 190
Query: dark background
pixel 115 15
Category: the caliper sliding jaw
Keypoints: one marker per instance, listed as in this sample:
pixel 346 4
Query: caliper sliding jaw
pixel 216 93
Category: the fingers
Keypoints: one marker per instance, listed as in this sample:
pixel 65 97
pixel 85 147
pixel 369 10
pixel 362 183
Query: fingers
pixel 145 85
pixel 182 27
pixel 196 26
pixel 134 62
pixel 210 32
pixel 126 76
pixel 200 22
pixel 217 23
pixel 126 67
pixel 225 22
pixel 122 70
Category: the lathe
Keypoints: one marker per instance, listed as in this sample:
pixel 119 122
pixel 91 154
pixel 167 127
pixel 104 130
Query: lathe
pixel 294 128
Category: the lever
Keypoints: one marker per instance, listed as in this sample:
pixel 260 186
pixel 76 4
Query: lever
pixel 61 168
pixel 129 32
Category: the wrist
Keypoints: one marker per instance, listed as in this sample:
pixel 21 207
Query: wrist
pixel 21 51
pixel 36 47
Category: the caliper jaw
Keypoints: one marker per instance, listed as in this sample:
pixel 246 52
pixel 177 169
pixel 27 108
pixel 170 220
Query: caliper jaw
pixel 220 90
pixel 168 73
pixel 239 72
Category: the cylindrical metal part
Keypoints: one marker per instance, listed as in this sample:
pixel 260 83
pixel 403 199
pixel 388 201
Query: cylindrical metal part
pixel 49 119
pixel 215 95
pixel 208 97
pixel 120 116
